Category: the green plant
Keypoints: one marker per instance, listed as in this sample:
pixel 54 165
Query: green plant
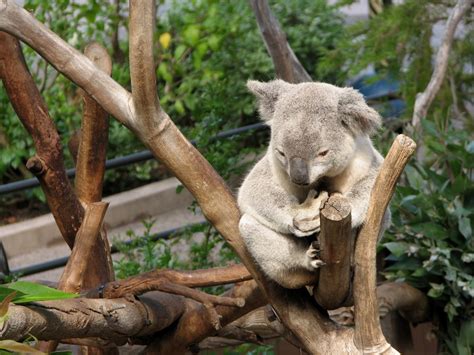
pixel 431 242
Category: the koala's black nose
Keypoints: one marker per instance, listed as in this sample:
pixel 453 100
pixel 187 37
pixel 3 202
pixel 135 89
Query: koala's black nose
pixel 299 171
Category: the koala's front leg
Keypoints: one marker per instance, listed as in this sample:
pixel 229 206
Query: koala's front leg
pixel 282 257
pixel 307 220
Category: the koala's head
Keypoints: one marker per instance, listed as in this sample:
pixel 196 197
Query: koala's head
pixel 314 126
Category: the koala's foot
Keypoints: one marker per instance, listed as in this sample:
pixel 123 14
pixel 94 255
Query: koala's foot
pixel 313 256
pixel 307 221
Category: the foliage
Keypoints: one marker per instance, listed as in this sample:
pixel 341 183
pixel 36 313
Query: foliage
pixel 431 243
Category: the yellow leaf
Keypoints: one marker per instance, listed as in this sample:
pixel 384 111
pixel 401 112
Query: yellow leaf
pixel 14 346
pixel 165 40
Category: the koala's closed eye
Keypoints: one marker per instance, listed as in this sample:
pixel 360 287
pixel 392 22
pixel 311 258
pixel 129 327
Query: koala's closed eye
pixel 280 153
pixel 323 153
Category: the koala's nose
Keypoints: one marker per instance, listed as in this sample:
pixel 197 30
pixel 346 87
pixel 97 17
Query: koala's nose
pixel 299 171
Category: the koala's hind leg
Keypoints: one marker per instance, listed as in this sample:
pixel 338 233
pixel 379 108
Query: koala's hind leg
pixel 283 258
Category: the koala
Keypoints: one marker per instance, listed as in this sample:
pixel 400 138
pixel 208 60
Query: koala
pixel 320 141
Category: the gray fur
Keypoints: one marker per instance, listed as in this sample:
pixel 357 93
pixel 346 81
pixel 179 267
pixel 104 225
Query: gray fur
pixel 320 140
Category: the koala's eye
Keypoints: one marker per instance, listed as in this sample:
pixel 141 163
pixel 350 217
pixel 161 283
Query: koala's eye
pixel 280 153
pixel 323 153
pixel 344 124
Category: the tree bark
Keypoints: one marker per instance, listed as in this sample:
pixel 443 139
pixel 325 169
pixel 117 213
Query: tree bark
pixel 336 243
pixel 115 320
pixel 48 164
pixel 287 66
pixel 368 334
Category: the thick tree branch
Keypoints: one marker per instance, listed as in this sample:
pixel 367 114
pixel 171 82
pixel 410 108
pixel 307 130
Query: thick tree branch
pixel 336 243
pixel 287 66
pixel 142 67
pixel 424 99
pixel 48 164
pixel 67 60
pixel 195 324
pixel 80 263
pixel 90 167
pixel 115 320
pixel 368 334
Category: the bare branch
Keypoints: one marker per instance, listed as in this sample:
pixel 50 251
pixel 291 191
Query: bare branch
pixel 424 99
pixel 142 68
pixel 48 164
pixel 67 60
pixel 368 334
pixel 115 320
pixel 287 66
pixel 80 263
pixel 149 281
pixel 90 167
pixel 336 243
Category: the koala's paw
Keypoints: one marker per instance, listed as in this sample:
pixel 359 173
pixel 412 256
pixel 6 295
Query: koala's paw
pixel 304 226
pixel 300 233
pixel 313 254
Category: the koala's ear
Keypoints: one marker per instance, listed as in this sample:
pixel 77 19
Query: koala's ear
pixel 267 95
pixel 356 114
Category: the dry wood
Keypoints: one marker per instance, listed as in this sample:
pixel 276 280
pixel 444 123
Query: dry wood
pixel 152 280
pixel 195 324
pixel 336 244
pixel 287 66
pixel 90 167
pixel 424 99
pixel 77 273
pixel 114 320
pixel 368 334
pixel 254 327
pixel 48 164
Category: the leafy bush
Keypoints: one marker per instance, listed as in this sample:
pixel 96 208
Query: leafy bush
pixel 431 242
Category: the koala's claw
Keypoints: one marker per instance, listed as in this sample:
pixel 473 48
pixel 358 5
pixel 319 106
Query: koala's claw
pixel 316 264
pixel 313 254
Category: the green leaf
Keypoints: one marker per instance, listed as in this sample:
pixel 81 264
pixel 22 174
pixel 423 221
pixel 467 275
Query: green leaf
pixel 178 52
pixel 436 290
pixel 16 347
pixel 191 34
pixel 465 227
pixel 397 248
pixel 33 292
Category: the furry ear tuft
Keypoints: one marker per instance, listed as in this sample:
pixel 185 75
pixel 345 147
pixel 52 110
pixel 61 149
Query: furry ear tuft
pixel 356 114
pixel 267 95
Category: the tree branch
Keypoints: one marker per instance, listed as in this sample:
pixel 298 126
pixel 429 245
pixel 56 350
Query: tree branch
pixel 287 66
pixel 368 334
pixel 115 320
pixel 424 99
pixel 80 264
pixel 92 150
pixel 336 243
pixel 152 280
pixel 48 164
